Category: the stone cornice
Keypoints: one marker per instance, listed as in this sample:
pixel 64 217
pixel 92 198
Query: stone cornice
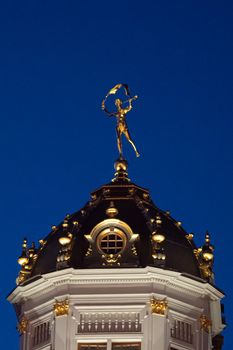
pixel 168 280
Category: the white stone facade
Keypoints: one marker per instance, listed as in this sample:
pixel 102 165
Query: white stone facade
pixel 112 308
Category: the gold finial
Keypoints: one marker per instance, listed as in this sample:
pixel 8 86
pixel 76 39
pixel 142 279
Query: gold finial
pixel 205 257
pixel 158 235
pixel 32 251
pixel 23 259
pixel 65 223
pixel 146 196
pixel 42 242
pixel 207 249
pixel 66 235
pixel 120 114
pixel 121 167
pixel 158 307
pixel 158 220
pixel 189 236
pixel 61 307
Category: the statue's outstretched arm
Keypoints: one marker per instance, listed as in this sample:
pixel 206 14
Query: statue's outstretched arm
pixel 127 109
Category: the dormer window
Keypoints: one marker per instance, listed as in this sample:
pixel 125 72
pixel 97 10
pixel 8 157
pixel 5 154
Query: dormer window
pixel 111 241
pixel 111 238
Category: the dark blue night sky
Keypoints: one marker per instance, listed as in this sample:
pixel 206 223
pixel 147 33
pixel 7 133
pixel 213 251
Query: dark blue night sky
pixel 58 60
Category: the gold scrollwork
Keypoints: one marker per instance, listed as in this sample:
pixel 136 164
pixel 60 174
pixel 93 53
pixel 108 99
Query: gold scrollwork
pixel 158 307
pixel 61 307
pixel 22 325
pixel 206 270
pixel 21 278
pixel 205 323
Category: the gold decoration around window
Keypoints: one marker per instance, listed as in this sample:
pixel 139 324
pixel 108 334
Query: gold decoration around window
pixel 205 323
pixel 158 307
pixel 61 308
pixel 22 325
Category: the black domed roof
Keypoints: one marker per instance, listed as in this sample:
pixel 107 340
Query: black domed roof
pixel 115 229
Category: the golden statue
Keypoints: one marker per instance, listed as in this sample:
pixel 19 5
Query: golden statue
pixel 120 114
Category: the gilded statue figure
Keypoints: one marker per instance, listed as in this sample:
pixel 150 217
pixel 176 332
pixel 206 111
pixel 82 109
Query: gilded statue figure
pixel 120 115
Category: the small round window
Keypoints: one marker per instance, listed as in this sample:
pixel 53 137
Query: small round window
pixel 111 241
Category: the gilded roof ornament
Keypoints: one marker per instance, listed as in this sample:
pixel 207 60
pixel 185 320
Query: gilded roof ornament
pixel 205 323
pixel 61 307
pixel 111 211
pixel 189 236
pixel 23 259
pixel 22 325
pixel 120 115
pixel 205 257
pixel 158 307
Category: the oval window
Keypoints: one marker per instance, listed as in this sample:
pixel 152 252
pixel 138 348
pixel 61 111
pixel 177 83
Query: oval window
pixel 111 241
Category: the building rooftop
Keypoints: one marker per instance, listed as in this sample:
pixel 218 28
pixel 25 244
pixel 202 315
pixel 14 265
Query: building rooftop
pixel 119 227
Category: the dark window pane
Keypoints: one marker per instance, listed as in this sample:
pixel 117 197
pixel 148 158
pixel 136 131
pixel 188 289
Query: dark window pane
pixel 112 237
pixel 126 346
pixel 92 347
